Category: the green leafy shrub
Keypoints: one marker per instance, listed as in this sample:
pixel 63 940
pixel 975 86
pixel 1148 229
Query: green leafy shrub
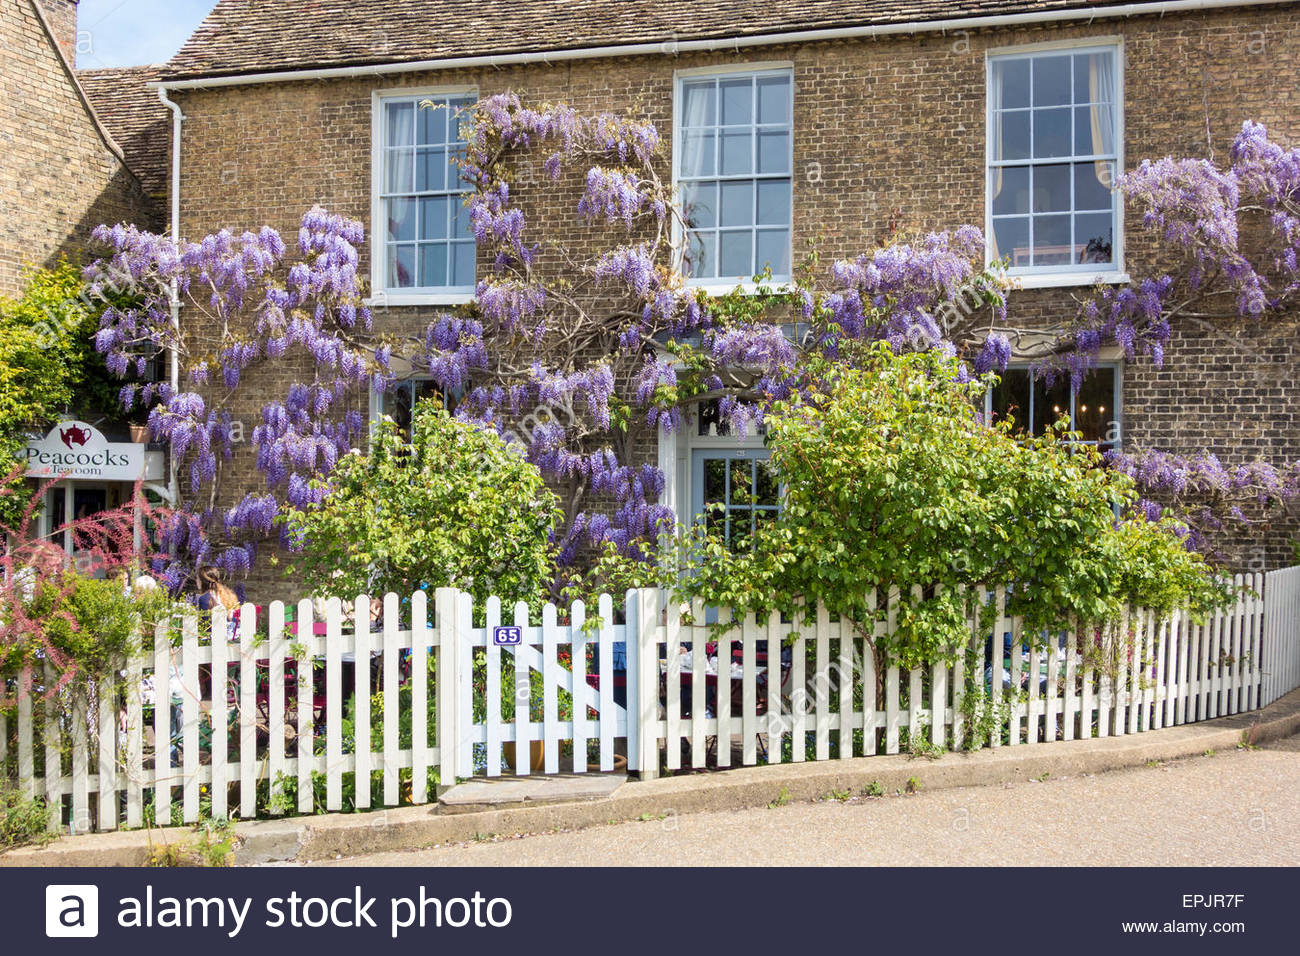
pixel 23 819
pixel 88 620
pixel 456 506
pixel 893 487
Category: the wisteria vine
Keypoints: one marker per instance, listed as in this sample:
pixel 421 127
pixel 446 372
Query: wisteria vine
pixel 581 350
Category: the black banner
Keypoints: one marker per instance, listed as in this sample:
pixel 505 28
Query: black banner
pixel 348 910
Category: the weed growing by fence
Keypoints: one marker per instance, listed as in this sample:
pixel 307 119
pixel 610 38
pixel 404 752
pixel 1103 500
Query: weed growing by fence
pixel 23 819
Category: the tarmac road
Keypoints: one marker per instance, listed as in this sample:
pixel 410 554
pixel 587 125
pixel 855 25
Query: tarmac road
pixel 1239 808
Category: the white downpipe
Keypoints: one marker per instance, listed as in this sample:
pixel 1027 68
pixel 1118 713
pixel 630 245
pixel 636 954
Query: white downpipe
pixel 174 359
pixel 675 47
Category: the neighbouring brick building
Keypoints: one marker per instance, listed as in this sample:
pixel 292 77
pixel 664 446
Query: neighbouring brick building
pixel 61 170
pixel 832 121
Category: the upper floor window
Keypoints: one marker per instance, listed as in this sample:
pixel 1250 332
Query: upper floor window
pixel 734 172
pixel 1093 409
pixel 427 245
pixel 1054 140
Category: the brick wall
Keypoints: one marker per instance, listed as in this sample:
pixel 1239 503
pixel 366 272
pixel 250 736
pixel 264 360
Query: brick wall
pixel 62 18
pixel 888 132
pixel 58 177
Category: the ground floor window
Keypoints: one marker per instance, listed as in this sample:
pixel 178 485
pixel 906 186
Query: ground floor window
pixel 398 401
pixel 1033 405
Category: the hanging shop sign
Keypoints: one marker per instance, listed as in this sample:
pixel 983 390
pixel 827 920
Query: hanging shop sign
pixel 78 450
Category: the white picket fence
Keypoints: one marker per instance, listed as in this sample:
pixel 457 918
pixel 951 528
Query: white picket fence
pixel 690 695
pixel 828 702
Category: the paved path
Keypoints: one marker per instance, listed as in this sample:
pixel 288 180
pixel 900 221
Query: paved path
pixel 1230 809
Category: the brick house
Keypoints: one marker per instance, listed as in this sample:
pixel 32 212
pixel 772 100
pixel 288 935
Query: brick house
pixel 833 121
pixel 62 169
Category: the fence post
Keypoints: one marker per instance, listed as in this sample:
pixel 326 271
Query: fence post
pixel 632 694
pixel 448 706
pixel 647 682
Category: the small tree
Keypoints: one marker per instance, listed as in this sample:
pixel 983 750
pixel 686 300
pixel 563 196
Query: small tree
pixel 896 493
pixel 48 363
pixel 457 506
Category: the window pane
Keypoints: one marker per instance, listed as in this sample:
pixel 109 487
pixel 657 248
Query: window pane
pixel 399 170
pixel 1052 80
pixel 1012 237
pixel 1092 185
pixel 433 264
pixel 700 204
pixel 401 266
pixel 774 152
pixel 454 181
pixel 430 170
pixel 699 101
pixel 462 117
pixel 1011 398
pixel 1094 406
pixel 401 219
pixel 737 153
pixel 1052 188
pixel 399 123
pixel 433 217
pixel 1090 88
pixel 1012 78
pixel 1051 133
pixel 738 204
pixel 701 255
pixel 462 264
pixel 1010 190
pixel 736 254
pixel 1052 240
pixel 1011 136
pixel 1050 403
pixel 715 480
pixel 774 99
pixel 698 154
pixel 765 484
pixel 737 101
pixel 774 251
pixel 461 225
pixel 433 125
pixel 774 202
pixel 1093 237
pixel 708 419
pixel 1090 138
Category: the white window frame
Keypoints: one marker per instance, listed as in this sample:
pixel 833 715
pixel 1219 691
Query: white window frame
pixel 381 295
pixel 1075 274
pixel 714 285
pixel 1118 399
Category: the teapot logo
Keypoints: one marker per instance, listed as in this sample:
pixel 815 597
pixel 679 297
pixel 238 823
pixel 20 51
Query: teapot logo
pixel 74 436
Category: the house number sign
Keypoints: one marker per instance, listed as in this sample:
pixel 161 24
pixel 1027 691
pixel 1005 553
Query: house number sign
pixel 507 636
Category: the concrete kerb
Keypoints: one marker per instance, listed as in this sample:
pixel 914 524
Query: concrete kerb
pixel 307 839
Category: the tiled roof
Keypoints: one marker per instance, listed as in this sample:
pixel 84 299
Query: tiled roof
pixel 253 36
pixel 134 117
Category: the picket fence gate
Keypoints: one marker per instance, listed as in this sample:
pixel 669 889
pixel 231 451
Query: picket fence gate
pixel 267 723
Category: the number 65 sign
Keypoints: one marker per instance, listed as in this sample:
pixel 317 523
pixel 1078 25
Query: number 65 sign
pixel 507 636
